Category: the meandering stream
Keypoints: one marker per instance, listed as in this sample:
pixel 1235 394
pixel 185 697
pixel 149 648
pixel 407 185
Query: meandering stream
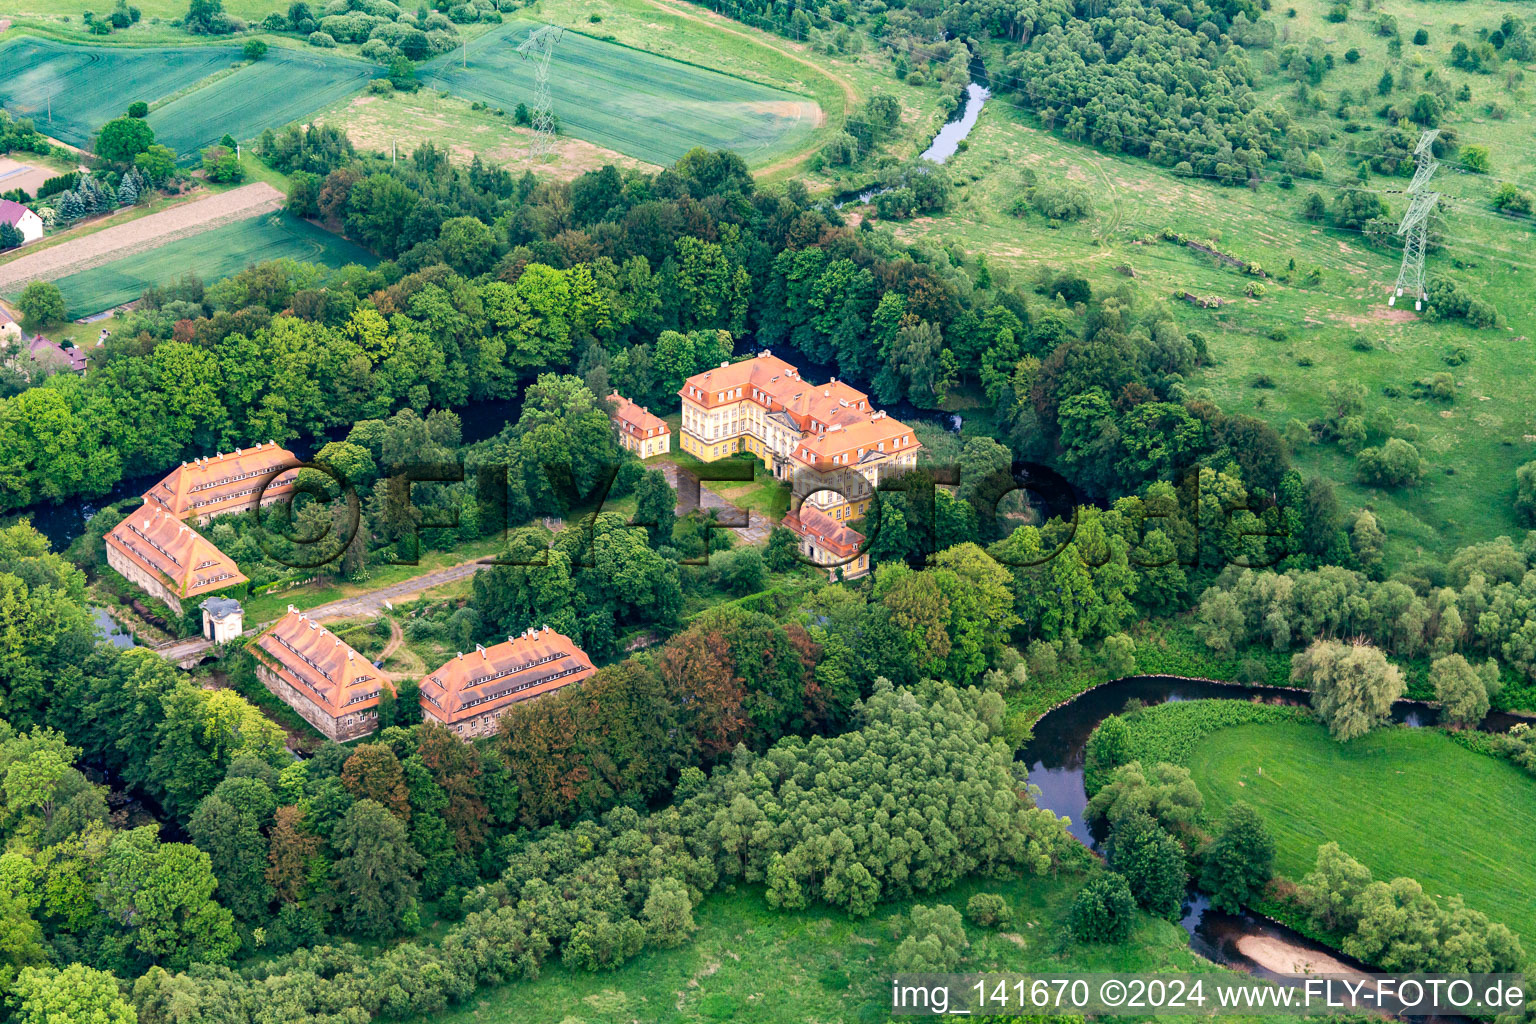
pixel 1055 756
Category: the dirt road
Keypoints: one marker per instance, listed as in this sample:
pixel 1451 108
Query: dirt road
pixel 121 240
pixel 373 601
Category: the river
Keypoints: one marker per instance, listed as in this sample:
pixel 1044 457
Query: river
pixel 1055 757
pixel 945 144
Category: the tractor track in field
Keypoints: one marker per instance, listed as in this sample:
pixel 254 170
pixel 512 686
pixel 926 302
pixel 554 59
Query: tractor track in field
pixel 139 235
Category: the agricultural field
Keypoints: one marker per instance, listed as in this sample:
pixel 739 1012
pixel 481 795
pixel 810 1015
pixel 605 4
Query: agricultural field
pixel 211 255
pixel 1401 801
pixel 87 86
pixel 631 101
pixel 283 86
pixel 693 34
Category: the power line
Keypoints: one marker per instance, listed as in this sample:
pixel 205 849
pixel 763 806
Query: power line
pixel 539 47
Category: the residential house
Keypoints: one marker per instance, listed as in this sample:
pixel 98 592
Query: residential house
pixel 828 542
pixel 227 482
pixel 472 691
pixel 22 219
pixel 168 559
pixel 320 676
pixel 51 353
pixel 640 430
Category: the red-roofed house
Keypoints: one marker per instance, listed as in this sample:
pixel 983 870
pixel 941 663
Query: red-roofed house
pixel 169 559
pixel 828 542
pixel 51 353
pixel 226 483
pixel 22 219
pixel 472 691
pixel 640 430
pixel 320 676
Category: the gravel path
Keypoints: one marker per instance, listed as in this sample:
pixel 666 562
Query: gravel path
pixel 150 232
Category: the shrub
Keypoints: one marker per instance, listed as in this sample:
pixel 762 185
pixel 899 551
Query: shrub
pixel 1394 464
pixel 988 910
pixel 323 40
pixel 1103 911
pixel 935 943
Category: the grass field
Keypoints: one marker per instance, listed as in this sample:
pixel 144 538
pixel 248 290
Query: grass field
pixel 1273 357
pixel 1401 801
pixel 283 86
pixel 750 964
pixel 211 255
pixel 90 85
pixel 631 101
pixel 406 120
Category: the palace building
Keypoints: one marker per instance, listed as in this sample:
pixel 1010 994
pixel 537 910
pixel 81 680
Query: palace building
pixel 824 438
pixel 320 676
pixel 167 558
pixel 828 542
pixel 472 691
pixel 227 483
pixel 640 430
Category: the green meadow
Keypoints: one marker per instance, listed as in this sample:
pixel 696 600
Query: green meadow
pixel 750 964
pixel 1273 356
pixel 1401 801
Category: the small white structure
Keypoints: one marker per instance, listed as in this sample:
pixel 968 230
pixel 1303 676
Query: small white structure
pixel 22 219
pixel 223 619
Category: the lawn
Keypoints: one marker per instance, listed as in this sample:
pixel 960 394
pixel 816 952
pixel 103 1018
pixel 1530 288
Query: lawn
pixel 624 99
pixel 283 86
pixel 1401 801
pixel 90 85
pixel 211 255
pixel 748 963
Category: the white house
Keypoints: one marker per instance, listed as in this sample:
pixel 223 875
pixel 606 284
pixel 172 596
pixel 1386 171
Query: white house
pixel 22 219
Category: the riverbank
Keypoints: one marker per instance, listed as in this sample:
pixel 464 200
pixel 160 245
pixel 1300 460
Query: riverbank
pixel 1438 816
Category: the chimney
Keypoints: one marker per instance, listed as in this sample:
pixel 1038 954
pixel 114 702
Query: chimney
pixel 724 363
pixel 459 655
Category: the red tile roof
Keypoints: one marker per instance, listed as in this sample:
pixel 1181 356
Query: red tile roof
pixel 843 541
pixel 636 421
pixel 183 559
pixel 320 664
pixel 492 678
pixel 226 482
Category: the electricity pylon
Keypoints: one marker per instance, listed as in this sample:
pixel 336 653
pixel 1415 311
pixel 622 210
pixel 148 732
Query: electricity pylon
pixel 1415 225
pixel 539 47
